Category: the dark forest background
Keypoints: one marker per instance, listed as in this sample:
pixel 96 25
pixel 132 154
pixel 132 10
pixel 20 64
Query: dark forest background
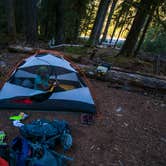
pixel 141 22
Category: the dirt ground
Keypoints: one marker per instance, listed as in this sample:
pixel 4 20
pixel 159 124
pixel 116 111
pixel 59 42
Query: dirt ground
pixel 134 136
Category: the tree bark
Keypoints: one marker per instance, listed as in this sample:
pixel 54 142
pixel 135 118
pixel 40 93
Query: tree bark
pixel 31 21
pixel 138 80
pixel 149 19
pixel 11 19
pixel 121 29
pixel 109 19
pixel 117 21
pixel 88 20
pixel 19 12
pixel 99 21
pixel 143 34
pixel 133 79
pixel 131 40
pixel 59 29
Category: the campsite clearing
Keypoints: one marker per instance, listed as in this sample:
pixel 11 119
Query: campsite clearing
pixel 133 136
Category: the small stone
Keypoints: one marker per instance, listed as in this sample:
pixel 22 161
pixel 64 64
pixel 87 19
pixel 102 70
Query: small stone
pixel 116 148
pixel 121 163
pixel 92 147
pixel 98 148
pixel 91 73
pixel 92 162
pixel 163 139
pixel 119 115
pixel 163 105
pixel 156 103
pixel 119 109
pixel 2 64
pixel 126 124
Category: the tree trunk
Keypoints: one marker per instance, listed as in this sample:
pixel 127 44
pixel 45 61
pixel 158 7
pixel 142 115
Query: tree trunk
pixel 120 32
pixel 47 17
pixel 149 19
pixel 88 20
pixel 131 40
pixel 59 29
pixel 143 34
pixel 31 21
pixel 121 29
pixel 138 80
pixel 144 81
pixel 99 21
pixel 11 19
pixel 117 23
pixel 123 10
pixel 109 19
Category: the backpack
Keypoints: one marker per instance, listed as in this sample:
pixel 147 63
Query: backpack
pixel 26 153
pixel 48 133
pixel 19 151
pixel 36 146
pixel 42 130
pixel 43 156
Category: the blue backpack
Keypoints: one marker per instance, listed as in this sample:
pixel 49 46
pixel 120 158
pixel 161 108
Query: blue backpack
pixel 44 128
pixel 20 150
pixel 36 146
pixel 25 153
pixel 48 132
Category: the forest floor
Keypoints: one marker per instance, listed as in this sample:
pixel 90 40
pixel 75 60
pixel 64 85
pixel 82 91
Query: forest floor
pixel 135 136
pixel 143 63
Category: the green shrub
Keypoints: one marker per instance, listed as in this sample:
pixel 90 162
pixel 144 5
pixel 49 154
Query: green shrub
pixel 76 50
pixel 155 41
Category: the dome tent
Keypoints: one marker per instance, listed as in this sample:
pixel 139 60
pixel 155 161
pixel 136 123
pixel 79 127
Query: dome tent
pixel 19 92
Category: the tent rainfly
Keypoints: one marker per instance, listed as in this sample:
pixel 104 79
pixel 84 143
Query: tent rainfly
pixel 19 91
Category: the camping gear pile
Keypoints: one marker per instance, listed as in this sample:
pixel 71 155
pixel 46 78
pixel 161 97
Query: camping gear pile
pixel 18 118
pixel 36 145
pixel 100 71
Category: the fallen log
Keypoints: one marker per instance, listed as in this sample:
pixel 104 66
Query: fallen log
pixel 139 73
pixel 21 49
pixel 151 57
pixel 133 79
pixel 65 45
pixel 137 80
